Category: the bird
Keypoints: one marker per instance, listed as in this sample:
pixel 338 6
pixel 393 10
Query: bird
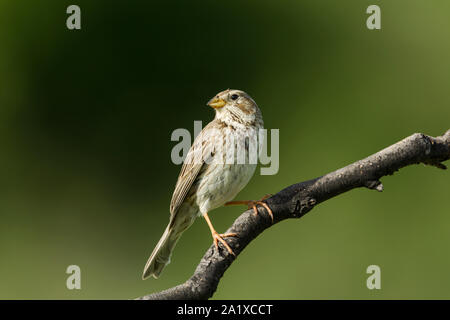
pixel 213 173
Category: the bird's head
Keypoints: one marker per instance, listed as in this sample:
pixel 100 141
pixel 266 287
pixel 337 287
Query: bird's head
pixel 235 107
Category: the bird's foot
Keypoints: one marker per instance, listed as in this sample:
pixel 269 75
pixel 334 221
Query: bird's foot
pixel 252 205
pixel 219 237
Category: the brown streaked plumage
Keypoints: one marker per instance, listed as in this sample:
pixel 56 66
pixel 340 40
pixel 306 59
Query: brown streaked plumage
pixel 208 179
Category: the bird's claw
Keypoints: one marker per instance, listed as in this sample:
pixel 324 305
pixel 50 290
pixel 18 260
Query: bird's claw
pixel 219 237
pixel 252 205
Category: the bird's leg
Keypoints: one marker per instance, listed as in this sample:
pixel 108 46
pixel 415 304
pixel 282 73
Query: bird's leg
pixel 219 237
pixel 253 204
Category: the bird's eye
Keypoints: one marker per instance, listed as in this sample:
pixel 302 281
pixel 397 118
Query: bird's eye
pixel 234 97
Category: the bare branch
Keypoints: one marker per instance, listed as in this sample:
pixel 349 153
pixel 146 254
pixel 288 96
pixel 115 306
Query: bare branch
pixel 298 199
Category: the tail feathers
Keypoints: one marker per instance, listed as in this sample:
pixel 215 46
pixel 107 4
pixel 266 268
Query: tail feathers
pixel 160 256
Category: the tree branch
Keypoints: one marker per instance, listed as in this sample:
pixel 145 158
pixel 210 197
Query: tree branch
pixel 298 199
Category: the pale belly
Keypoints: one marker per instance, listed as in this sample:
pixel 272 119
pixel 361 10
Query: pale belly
pixel 221 183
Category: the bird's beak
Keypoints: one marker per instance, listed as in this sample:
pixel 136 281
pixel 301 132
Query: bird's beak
pixel 216 103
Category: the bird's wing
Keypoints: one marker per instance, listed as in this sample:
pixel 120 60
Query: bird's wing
pixel 200 151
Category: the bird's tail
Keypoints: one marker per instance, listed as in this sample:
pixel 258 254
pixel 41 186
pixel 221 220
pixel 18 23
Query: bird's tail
pixel 160 256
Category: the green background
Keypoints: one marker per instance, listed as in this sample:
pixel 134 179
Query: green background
pixel 86 117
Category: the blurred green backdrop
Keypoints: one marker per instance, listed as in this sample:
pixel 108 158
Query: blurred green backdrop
pixel 86 118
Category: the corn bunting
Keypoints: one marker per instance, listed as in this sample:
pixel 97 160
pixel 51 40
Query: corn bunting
pixel 219 164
